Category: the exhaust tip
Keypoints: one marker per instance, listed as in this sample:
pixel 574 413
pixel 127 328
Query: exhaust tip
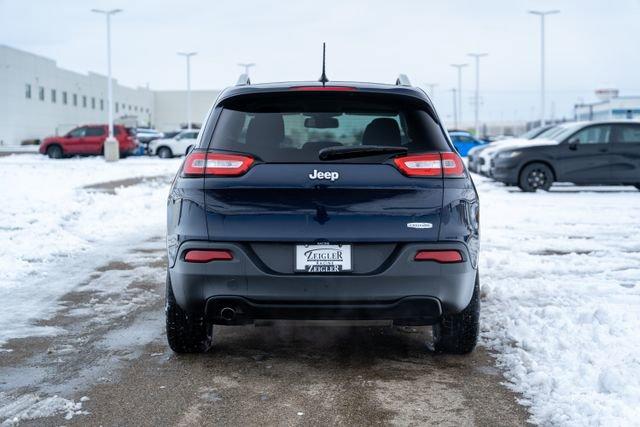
pixel 227 313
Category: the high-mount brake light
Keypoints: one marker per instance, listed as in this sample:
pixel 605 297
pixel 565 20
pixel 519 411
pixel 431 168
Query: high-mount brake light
pixel 216 164
pixel 431 165
pixel 323 88
pixel 444 257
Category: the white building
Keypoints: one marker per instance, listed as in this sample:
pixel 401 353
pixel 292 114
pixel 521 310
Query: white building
pixel 38 99
pixel 610 106
pixel 171 106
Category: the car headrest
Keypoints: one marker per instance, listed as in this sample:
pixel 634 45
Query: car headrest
pixel 382 131
pixel 265 130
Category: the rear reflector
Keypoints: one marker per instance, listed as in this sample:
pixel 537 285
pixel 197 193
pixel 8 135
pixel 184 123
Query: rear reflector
pixel 198 164
pixel 205 255
pixel 323 88
pixel 431 165
pixel 439 256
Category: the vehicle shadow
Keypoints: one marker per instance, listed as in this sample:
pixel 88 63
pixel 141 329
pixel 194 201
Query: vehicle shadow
pixel 335 343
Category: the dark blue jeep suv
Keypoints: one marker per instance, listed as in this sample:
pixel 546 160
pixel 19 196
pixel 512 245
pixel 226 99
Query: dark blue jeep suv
pixel 323 201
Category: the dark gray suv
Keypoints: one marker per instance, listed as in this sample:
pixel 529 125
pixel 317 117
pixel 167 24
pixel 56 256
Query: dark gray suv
pixel 323 201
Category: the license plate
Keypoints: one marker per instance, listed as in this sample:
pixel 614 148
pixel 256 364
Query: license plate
pixel 323 258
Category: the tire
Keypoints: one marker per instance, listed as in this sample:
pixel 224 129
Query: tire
pixel 638 186
pixel 458 333
pixel 54 152
pixel 185 334
pixel 536 176
pixel 165 153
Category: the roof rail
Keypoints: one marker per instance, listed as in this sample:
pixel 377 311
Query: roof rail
pixel 243 80
pixel 403 80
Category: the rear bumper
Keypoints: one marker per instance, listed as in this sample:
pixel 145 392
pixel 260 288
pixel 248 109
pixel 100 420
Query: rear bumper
pixel 407 310
pixel 405 291
pixel 127 147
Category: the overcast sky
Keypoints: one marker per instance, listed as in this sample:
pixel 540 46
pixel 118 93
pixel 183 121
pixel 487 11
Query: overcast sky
pixel 590 44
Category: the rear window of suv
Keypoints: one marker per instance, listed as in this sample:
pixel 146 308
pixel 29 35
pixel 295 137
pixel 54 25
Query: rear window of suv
pixel 295 127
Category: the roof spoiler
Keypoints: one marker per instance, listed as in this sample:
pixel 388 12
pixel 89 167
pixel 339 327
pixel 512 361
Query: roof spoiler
pixel 403 80
pixel 243 80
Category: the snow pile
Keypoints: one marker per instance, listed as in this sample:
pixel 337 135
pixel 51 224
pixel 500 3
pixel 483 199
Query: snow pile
pixel 32 406
pixel 55 232
pixel 561 286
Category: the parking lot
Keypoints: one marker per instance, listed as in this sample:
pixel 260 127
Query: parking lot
pixel 557 268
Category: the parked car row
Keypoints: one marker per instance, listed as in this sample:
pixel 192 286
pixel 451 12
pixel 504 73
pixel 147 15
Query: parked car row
pixel 89 140
pixel 583 153
pixel 179 145
pixel 464 141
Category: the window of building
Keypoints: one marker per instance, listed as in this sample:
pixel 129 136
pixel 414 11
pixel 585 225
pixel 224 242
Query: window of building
pixel 129 107
pixel 93 103
pixel 75 99
pixel 27 91
pixel 64 97
pixel 101 104
pixel 117 107
pixel 41 93
pixel 84 101
pixel 53 96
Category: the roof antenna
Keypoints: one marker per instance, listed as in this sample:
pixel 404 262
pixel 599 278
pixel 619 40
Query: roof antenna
pixel 323 77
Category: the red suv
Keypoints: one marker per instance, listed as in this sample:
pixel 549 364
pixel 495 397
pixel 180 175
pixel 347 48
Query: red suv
pixel 87 140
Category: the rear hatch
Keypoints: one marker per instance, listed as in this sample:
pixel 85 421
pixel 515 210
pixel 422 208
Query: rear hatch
pixel 357 169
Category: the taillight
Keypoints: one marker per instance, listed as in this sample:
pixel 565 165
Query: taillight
pixel 420 165
pixel 444 257
pixel 431 165
pixel 206 255
pixel 452 165
pixel 198 164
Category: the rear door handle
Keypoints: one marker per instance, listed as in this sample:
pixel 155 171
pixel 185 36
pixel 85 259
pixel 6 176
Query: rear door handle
pixel 604 150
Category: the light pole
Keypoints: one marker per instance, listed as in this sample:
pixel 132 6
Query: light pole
pixel 542 14
pixel 246 66
pixel 432 89
pixel 111 149
pixel 188 56
pixel 455 109
pixel 459 67
pixel 477 57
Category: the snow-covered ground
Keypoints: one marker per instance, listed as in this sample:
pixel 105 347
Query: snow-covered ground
pixel 54 232
pixel 561 299
pixel 560 276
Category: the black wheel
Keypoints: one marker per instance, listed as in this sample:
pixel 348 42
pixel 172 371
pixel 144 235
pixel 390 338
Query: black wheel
pixel 165 153
pixel 536 176
pixel 185 334
pixel 638 186
pixel 54 152
pixel 188 149
pixel 458 333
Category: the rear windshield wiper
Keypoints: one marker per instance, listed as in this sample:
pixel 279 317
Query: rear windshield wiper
pixel 333 153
